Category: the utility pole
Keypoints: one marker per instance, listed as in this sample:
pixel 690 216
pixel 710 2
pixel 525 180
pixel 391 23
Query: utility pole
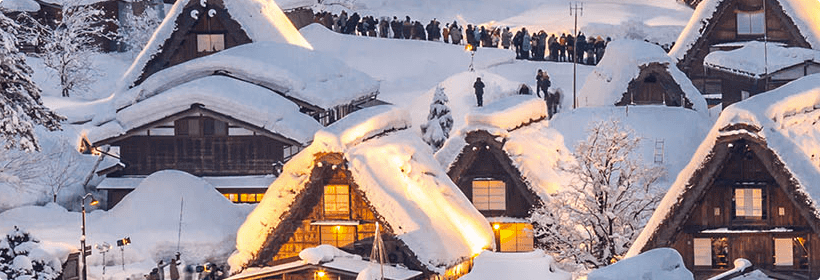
pixel 574 9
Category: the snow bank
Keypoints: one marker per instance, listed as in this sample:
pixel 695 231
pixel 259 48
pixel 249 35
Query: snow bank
pixel 241 100
pixel 150 215
pixel 262 21
pixel 747 60
pixel 606 84
pixel 786 117
pixel 522 266
pixel 802 12
pixel 323 253
pixel 397 174
pixel 19 6
pixel 661 263
pixel 292 71
pixel 534 148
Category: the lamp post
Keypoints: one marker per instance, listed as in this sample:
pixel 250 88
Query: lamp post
pixel 82 238
pixel 470 48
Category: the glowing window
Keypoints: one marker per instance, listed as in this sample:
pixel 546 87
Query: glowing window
pixel 338 236
pixel 783 252
pixel 515 237
pixel 703 251
pixel 749 202
pixel 232 197
pixel 489 195
pixel 751 23
pixel 210 42
pixel 337 200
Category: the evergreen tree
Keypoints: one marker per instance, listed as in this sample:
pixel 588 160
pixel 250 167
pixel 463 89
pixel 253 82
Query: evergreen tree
pixel 20 105
pixel 22 258
pixel 439 121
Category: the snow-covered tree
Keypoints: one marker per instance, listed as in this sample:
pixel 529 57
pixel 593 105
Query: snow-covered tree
pixel 20 105
pixel 21 258
pixel 68 46
pixel 595 219
pixel 439 121
pixel 136 30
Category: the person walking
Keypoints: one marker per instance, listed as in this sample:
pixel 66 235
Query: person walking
pixel 479 91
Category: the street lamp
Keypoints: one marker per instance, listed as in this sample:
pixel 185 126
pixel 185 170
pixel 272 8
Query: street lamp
pixel 82 238
pixel 470 48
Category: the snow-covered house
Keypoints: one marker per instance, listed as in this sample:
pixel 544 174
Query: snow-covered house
pixel 366 168
pixel 749 73
pixel 715 23
pixel 639 73
pixel 750 191
pixel 504 162
pixel 195 29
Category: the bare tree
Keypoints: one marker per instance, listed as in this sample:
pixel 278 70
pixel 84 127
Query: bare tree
pixel 60 167
pixel 136 30
pixel 595 219
pixel 69 45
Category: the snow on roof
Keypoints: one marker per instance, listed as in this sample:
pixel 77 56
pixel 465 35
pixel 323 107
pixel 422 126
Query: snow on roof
pixel 521 266
pixel 606 84
pixel 293 4
pixel 749 60
pixel 802 12
pixel 19 6
pixel 222 182
pixel 306 75
pixel 660 263
pixel 785 117
pixel 534 148
pixel 244 101
pixel 262 21
pixel 397 174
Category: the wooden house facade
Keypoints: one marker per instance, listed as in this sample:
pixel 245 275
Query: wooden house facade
pixel 748 195
pixel 722 22
pixel 335 195
pixel 479 160
pixel 639 74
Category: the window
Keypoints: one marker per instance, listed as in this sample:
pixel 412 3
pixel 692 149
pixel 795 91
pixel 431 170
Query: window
pixel 338 236
pixel 214 127
pixel 200 126
pixel 749 203
pixel 210 42
pixel 515 237
pixel 244 197
pixel 751 23
pixel 783 252
pixel 489 195
pixel 703 251
pixel 337 200
pixel 744 95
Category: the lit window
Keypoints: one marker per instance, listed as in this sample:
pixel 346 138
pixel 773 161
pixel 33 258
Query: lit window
pixel 515 237
pixel 489 195
pixel 703 251
pixel 783 252
pixel 751 23
pixel 210 42
pixel 337 200
pixel 232 197
pixel 749 202
pixel 338 236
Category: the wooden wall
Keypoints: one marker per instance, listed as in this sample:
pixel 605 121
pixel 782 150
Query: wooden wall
pixel 715 210
pixel 200 156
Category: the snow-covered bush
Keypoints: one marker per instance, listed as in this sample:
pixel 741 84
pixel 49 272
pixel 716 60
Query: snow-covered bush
pixel 595 219
pixel 137 29
pixel 21 258
pixel 20 105
pixel 439 121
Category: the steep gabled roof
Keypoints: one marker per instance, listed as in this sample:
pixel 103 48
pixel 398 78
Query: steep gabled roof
pixel 261 20
pixel 397 175
pixel 801 13
pixel 623 63
pixel 518 122
pixel 748 61
pixel 781 123
pixel 240 100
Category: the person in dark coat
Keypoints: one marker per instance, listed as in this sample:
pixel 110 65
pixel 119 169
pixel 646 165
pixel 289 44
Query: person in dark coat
pixel 517 39
pixel 352 23
pixel 470 33
pixel 581 47
pixel 406 27
pixel 524 90
pixel 479 91
pixel 396 26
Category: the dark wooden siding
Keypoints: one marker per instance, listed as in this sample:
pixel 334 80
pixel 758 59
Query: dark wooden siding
pixel 200 156
pixel 654 86
pixel 715 210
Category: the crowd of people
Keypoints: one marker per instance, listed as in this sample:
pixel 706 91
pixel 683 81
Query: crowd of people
pixel 536 46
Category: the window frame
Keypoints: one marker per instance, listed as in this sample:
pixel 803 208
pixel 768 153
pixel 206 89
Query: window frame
pixel 491 204
pixel 763 204
pixel 749 18
pixel 335 212
pixel 522 239
pixel 326 231
pixel 212 45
